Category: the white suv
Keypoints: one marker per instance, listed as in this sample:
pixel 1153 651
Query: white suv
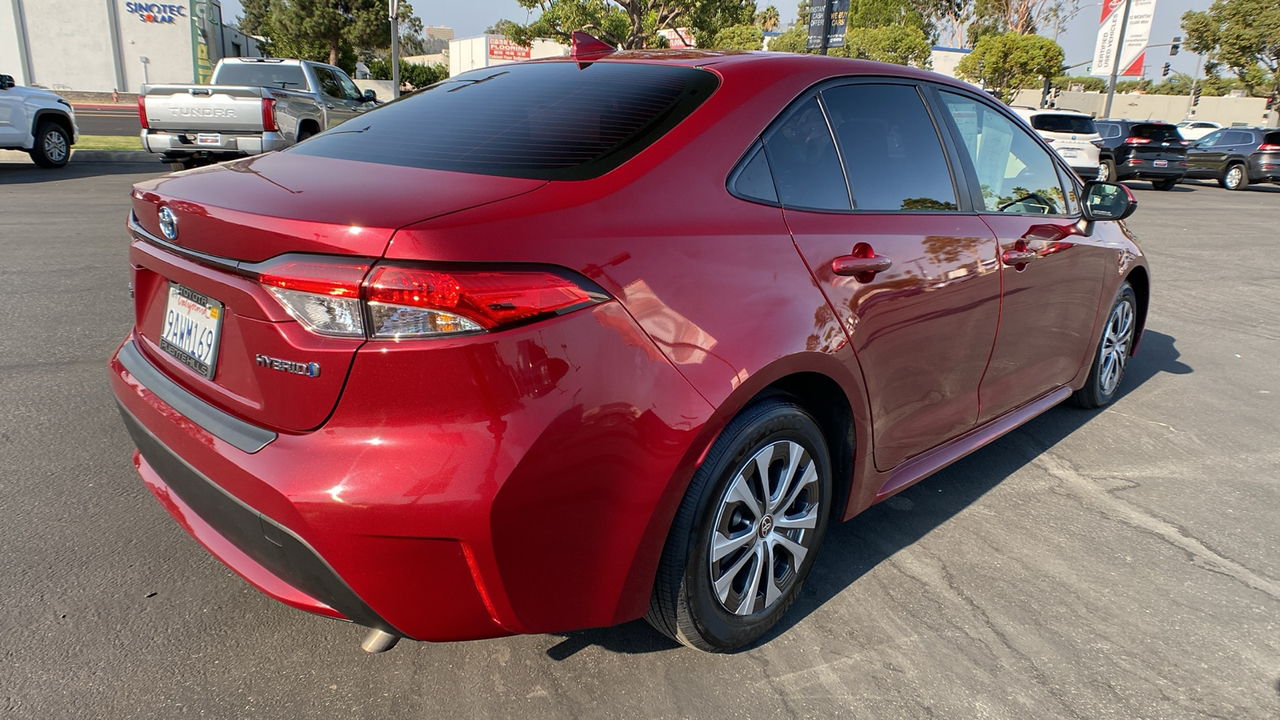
pixel 1072 134
pixel 37 122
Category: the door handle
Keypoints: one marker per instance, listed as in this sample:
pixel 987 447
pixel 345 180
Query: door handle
pixel 862 263
pixel 1018 257
pixel 328 106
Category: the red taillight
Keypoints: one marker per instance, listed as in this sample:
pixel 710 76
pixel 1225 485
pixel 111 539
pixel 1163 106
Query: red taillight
pixel 1185 143
pixel 1137 141
pixel 142 112
pixel 1269 147
pixel 490 299
pixel 322 294
pixel 269 115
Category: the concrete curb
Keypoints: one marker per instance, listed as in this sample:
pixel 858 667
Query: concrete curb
pixel 114 156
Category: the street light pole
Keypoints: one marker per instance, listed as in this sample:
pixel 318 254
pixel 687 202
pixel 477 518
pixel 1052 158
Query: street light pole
pixel 395 48
pixel 1117 51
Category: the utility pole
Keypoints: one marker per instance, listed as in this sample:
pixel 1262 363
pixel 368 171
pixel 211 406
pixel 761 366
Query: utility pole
pixel 395 48
pixel 826 26
pixel 1192 94
pixel 1117 51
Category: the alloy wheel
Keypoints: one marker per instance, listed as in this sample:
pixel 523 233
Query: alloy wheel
pixel 55 146
pixel 1115 346
pixel 764 528
pixel 1234 175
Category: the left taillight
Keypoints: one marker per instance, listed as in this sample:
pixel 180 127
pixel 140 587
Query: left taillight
pixel 1269 147
pixel 142 112
pixel 340 298
pixel 1137 141
pixel 269 115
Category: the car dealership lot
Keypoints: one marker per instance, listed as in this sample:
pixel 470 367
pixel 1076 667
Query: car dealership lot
pixel 1113 564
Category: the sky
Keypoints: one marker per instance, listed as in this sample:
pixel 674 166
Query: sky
pixel 471 17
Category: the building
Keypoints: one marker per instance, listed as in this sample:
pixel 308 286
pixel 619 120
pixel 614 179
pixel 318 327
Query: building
pixel 104 45
pixel 487 50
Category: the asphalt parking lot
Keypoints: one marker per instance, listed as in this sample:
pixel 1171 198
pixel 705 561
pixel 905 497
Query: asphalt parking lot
pixel 1120 564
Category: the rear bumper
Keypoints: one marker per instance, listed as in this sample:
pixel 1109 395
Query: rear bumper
pixel 179 144
pixel 1264 167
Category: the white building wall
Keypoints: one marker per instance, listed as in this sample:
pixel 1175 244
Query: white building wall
pixel 471 53
pixel 10 58
pixel 167 48
pixel 70 44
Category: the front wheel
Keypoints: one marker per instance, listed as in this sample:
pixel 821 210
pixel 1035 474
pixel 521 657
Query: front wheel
pixel 747 531
pixel 1112 355
pixel 53 146
pixel 1234 178
pixel 1166 184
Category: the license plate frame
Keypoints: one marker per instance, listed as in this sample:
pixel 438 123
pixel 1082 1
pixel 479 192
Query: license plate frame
pixel 209 139
pixel 1161 163
pixel 191 329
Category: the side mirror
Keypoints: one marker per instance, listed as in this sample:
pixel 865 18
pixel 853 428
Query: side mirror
pixel 1106 201
pixel 370 95
pixel 6 82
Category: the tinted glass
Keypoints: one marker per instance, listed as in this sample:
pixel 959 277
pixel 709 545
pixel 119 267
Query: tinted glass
pixel 549 121
pixel 754 180
pixel 262 75
pixel 1016 174
pixel 1157 133
pixel 1075 124
pixel 806 169
pixel 349 89
pixel 328 83
pixel 892 155
pixel 1108 130
pixel 1211 139
pixel 1271 138
pixel 1070 183
pixel 1237 137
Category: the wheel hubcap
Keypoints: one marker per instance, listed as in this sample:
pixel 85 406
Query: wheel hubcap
pixel 1233 176
pixel 1115 347
pixel 55 147
pixel 1103 174
pixel 764 528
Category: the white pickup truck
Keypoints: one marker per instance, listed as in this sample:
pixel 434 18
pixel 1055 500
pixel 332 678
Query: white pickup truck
pixel 253 105
pixel 36 122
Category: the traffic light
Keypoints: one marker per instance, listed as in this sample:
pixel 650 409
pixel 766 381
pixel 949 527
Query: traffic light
pixel 1195 95
pixel 1165 72
pixel 1177 45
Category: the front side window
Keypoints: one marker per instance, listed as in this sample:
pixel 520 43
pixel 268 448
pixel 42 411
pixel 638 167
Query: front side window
pixel 1015 173
pixel 1211 139
pixel 892 154
pixel 349 89
pixel 328 83
pixel 806 167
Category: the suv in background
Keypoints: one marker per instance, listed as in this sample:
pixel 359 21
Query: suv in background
pixel 1236 157
pixel 1070 133
pixel 1142 150
pixel 37 122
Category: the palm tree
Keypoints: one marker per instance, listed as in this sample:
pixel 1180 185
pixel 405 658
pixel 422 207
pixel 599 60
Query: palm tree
pixel 767 19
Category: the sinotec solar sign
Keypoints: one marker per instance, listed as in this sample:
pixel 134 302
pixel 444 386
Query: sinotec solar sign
pixel 156 12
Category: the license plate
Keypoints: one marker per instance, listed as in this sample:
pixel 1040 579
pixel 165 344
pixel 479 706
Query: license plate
pixel 208 139
pixel 1162 163
pixel 1068 153
pixel 190 329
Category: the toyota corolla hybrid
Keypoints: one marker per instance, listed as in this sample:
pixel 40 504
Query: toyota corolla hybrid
pixel 562 344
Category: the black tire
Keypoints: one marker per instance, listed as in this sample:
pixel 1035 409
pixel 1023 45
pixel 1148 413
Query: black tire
pixel 1235 177
pixel 686 605
pixel 1166 184
pixel 1115 346
pixel 304 133
pixel 1106 170
pixel 53 146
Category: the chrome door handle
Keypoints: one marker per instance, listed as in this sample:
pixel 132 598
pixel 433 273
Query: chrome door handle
pixel 854 265
pixel 1018 257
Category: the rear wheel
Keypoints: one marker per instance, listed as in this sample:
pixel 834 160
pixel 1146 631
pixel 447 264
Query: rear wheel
pixel 1106 171
pixel 1112 355
pixel 1164 184
pixel 1235 178
pixel 53 146
pixel 747 531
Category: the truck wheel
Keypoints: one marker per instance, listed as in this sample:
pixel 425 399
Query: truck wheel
pixel 53 146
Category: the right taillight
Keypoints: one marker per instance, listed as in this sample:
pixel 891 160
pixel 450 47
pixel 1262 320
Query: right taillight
pixel 142 112
pixel 409 302
pixel 341 298
pixel 1137 141
pixel 1269 147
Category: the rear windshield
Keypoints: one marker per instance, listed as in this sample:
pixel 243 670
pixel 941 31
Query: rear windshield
pixel 1075 124
pixel 1271 138
pixel 1155 132
pixel 549 121
pixel 289 77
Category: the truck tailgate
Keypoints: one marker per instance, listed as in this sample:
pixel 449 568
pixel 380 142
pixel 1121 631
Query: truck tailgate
pixel 208 108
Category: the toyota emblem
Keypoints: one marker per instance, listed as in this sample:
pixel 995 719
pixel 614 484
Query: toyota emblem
pixel 168 224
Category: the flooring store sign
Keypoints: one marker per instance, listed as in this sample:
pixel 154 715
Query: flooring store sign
pixel 156 13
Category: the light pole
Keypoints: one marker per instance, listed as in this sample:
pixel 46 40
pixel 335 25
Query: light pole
pixel 395 48
pixel 1117 51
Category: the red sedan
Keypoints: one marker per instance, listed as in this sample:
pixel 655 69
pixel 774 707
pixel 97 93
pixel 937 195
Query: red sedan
pixel 562 344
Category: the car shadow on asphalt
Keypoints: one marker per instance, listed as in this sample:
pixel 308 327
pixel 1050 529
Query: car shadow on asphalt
pixel 853 548
pixel 19 173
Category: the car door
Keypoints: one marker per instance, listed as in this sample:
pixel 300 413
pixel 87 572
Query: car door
pixel 1237 145
pixel 355 99
pixel 1052 276
pixel 1204 157
pixel 337 106
pixel 13 118
pixel 907 267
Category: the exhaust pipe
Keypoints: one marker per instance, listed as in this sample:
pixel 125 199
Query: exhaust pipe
pixel 378 641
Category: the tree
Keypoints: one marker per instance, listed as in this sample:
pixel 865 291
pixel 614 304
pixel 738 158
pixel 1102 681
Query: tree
pixel 1243 35
pixel 1004 63
pixel 412 74
pixel 256 19
pixel 898 44
pixel 768 19
pixel 331 23
pixel 630 24
pixel 738 37
pixel 502 27
pixel 795 40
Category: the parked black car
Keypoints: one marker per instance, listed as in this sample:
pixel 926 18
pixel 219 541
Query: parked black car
pixel 1145 150
pixel 1236 157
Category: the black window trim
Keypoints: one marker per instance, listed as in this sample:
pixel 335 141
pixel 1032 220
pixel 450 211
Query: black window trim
pixel 971 173
pixel 731 184
pixel 959 185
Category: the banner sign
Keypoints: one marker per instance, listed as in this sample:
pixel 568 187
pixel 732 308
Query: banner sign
pixel 1133 50
pixel 839 24
pixel 501 48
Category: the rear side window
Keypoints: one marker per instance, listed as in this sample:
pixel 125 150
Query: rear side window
pixel 262 74
pixel 1074 124
pixel 549 121
pixel 892 155
pixel 806 168
pixel 1237 137
pixel 1108 130
pixel 1157 133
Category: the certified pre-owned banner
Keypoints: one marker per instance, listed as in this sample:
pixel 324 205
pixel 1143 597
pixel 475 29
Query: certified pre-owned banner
pixel 1133 51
